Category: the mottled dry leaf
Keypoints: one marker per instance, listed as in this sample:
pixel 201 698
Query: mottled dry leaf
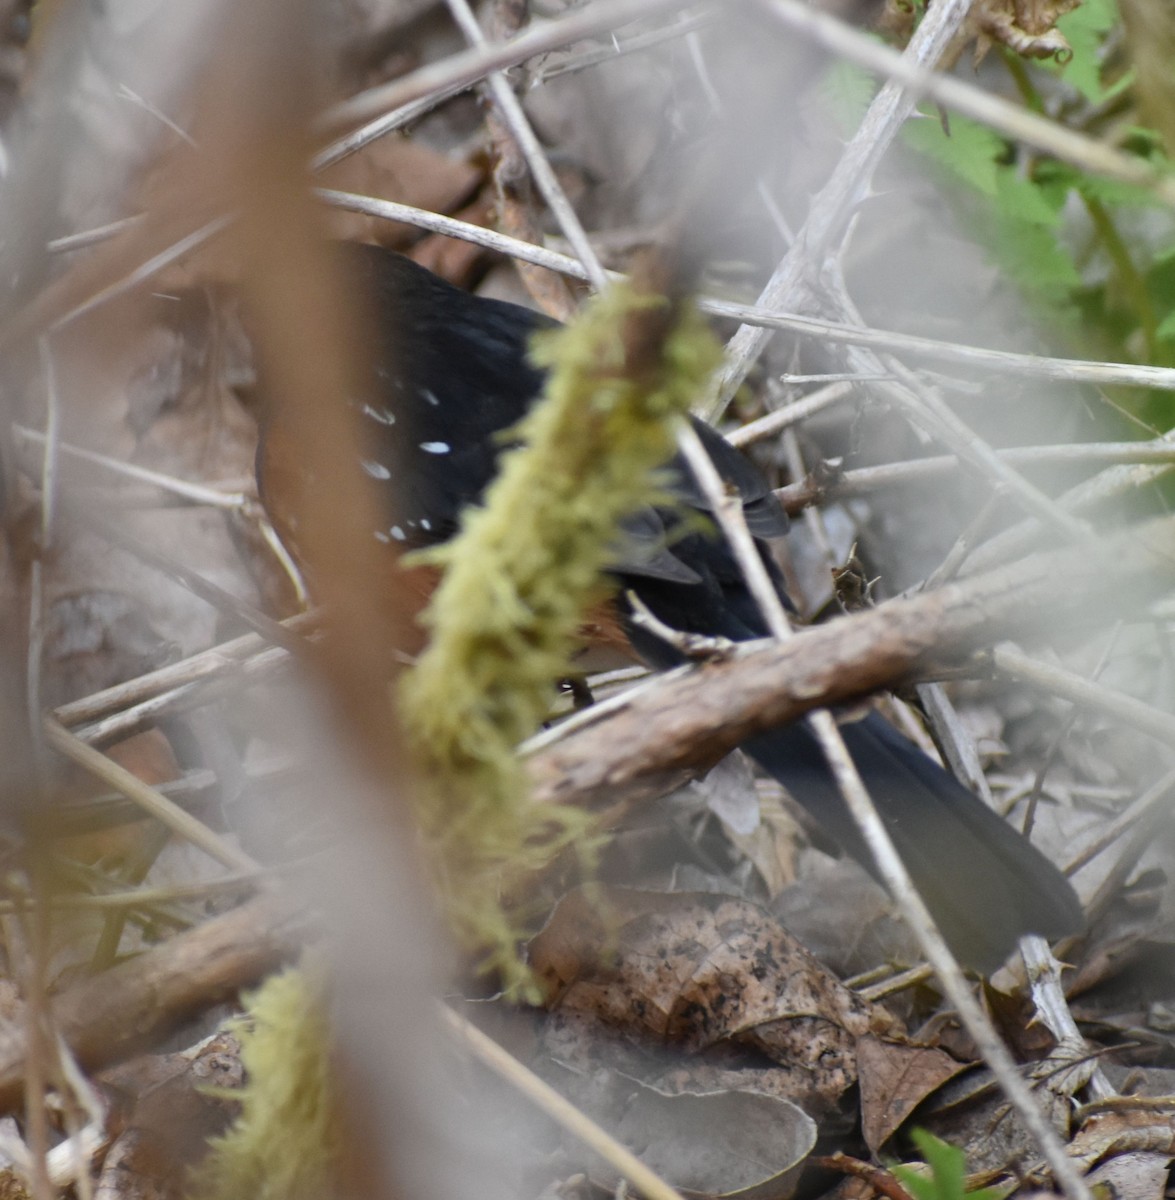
pixel 1124 1130
pixel 970 1112
pixel 170 1118
pixel 1137 1175
pixel 894 1080
pixel 704 972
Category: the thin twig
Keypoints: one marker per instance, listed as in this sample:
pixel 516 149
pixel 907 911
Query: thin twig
pixel 540 168
pixel 1001 361
pixel 888 861
pixel 469 67
pixel 556 65
pixel 865 480
pixel 790 414
pixel 901 982
pixel 1085 497
pixel 149 798
pixel 1004 362
pixel 197 493
pixel 956 745
pixel 560 1109
pixel 231 680
pixel 1019 124
pixel 211 593
pixel 143 272
pixel 832 208
pixel 148 897
pixel 1151 800
pixel 92 237
pixel 225 658
pixel 923 405
pixel 1070 686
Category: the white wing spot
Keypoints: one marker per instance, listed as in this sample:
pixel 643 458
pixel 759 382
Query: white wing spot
pixel 431 398
pixel 376 470
pixel 380 536
pixel 383 415
pixel 435 447
pixel 399 534
pixel 426 524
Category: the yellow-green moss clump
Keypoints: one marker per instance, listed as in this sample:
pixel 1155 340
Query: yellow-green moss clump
pixel 518 581
pixel 286 1143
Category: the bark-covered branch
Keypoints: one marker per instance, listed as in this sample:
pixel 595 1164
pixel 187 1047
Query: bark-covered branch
pixel 112 1015
pixel 691 719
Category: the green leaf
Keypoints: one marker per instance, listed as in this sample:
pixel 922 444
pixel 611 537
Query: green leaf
pixel 1160 282
pixel 970 151
pixel 1023 200
pixel 948 1173
pixel 1031 256
pixel 848 92
pixel 1115 193
pixel 1085 29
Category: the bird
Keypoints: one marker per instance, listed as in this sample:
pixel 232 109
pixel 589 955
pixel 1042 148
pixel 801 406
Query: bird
pixel 449 376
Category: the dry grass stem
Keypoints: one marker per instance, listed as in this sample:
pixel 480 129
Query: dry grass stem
pixel 150 799
pixel 559 1109
pixel 832 208
pixel 1013 121
pixel 1133 713
pixel 460 71
pixel 890 866
pixel 208 664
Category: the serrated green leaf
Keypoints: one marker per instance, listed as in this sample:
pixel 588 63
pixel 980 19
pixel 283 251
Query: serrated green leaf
pixel 1024 201
pixel 1085 29
pixel 848 92
pixel 970 151
pixel 1114 193
pixel 1031 256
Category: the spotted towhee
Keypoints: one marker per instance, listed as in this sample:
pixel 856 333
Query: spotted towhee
pixel 451 372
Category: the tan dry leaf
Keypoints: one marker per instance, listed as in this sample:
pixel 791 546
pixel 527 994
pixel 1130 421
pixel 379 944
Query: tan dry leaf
pixel 699 971
pixel 895 1078
pixel 1027 27
pixel 1121 1131
pixel 393 168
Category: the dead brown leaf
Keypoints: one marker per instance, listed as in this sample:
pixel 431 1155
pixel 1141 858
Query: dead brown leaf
pixel 1123 1130
pixel 895 1079
pixel 407 172
pixel 706 973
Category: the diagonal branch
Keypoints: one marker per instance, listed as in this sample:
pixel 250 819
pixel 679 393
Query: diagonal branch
pixel 691 718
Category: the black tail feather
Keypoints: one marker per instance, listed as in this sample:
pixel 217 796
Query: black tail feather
pixel 985 884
